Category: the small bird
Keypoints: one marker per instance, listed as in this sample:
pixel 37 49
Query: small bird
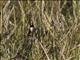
pixel 31 29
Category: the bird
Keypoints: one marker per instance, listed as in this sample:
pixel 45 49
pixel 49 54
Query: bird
pixel 31 29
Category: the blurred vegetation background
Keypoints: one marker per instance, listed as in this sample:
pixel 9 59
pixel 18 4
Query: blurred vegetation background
pixel 39 30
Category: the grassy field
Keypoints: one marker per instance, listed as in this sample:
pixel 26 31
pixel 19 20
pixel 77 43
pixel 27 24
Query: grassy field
pixel 39 30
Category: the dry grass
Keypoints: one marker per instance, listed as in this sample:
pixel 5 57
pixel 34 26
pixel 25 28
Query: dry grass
pixel 55 35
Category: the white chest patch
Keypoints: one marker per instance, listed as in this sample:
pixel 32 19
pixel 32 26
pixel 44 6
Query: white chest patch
pixel 31 29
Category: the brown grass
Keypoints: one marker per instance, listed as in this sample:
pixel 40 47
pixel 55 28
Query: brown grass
pixel 56 32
